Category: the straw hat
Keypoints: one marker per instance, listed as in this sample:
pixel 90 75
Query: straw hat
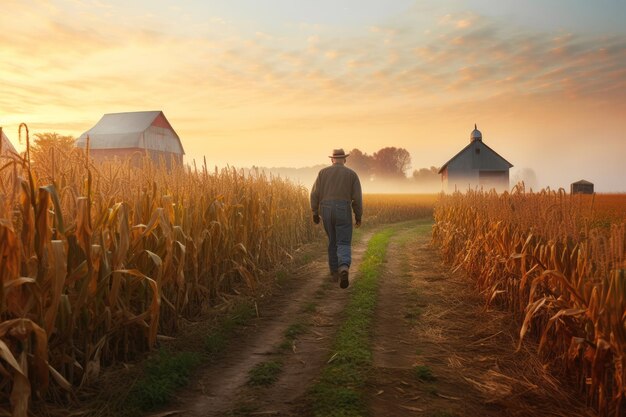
pixel 339 153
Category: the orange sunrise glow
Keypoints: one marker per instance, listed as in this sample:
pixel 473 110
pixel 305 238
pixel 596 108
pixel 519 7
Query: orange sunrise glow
pixel 282 84
pixel 312 208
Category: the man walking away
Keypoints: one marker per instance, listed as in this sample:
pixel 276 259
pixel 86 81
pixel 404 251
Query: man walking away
pixel 335 195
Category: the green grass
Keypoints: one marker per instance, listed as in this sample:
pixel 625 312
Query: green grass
pixel 291 334
pixel 339 389
pixel 265 373
pixel 240 315
pixel 168 370
pixel 285 345
pixel 216 341
pixel 163 373
pixel 295 330
pixel 424 373
pixel 309 307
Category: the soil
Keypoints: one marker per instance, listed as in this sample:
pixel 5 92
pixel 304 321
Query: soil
pixel 221 389
pixel 437 351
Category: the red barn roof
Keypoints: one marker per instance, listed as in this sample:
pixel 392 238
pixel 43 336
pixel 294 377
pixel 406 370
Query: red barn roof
pixel 143 130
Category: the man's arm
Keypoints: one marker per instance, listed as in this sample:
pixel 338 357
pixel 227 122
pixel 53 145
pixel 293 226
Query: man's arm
pixel 315 196
pixel 357 200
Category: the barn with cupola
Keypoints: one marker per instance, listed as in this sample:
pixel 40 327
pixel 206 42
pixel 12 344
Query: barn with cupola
pixel 133 135
pixel 476 166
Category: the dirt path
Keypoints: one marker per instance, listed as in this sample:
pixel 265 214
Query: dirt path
pixel 437 352
pixel 221 389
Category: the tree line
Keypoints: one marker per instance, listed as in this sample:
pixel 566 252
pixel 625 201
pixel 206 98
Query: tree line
pixel 391 163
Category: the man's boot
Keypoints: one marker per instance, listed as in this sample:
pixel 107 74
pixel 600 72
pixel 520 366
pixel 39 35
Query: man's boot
pixel 343 276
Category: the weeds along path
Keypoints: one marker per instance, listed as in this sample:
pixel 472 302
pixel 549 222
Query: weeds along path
pixel 273 362
pixel 438 352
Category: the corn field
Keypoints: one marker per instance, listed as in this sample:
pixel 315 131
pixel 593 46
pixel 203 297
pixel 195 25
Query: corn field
pixel 389 208
pixel 97 261
pixel 558 262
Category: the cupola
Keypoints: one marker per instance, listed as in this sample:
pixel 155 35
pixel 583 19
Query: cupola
pixel 476 135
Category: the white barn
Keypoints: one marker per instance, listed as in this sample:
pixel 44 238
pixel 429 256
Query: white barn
pixel 476 166
pixel 133 135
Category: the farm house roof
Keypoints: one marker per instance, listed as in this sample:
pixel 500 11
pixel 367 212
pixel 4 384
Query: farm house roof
pixel 7 146
pixel 132 130
pixel 468 149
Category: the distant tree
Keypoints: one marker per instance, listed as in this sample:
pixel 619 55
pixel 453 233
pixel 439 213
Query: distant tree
pixel 426 175
pixel 360 162
pixel 427 178
pixel 41 148
pixel 391 162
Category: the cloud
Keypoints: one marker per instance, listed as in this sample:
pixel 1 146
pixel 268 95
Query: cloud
pixel 466 52
pixel 224 81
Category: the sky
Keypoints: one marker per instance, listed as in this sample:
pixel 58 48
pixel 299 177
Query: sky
pixel 280 83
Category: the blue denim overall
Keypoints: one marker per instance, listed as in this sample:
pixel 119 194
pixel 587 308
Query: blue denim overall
pixel 337 218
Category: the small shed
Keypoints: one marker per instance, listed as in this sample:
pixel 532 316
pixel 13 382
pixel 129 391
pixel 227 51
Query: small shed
pixel 476 166
pixel 133 135
pixel 7 146
pixel 581 187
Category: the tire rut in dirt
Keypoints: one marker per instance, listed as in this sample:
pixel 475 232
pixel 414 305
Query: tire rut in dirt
pixel 464 359
pixel 393 347
pixel 311 351
pixel 222 387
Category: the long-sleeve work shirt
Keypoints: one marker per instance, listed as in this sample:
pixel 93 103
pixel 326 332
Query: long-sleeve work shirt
pixel 337 182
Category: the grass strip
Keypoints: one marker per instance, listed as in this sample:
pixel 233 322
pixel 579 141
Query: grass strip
pixel 297 329
pixel 216 341
pixel 424 373
pixel 265 373
pixel 164 373
pixel 169 368
pixel 338 393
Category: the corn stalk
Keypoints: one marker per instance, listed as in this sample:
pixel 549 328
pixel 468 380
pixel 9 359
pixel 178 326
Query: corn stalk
pixel 559 267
